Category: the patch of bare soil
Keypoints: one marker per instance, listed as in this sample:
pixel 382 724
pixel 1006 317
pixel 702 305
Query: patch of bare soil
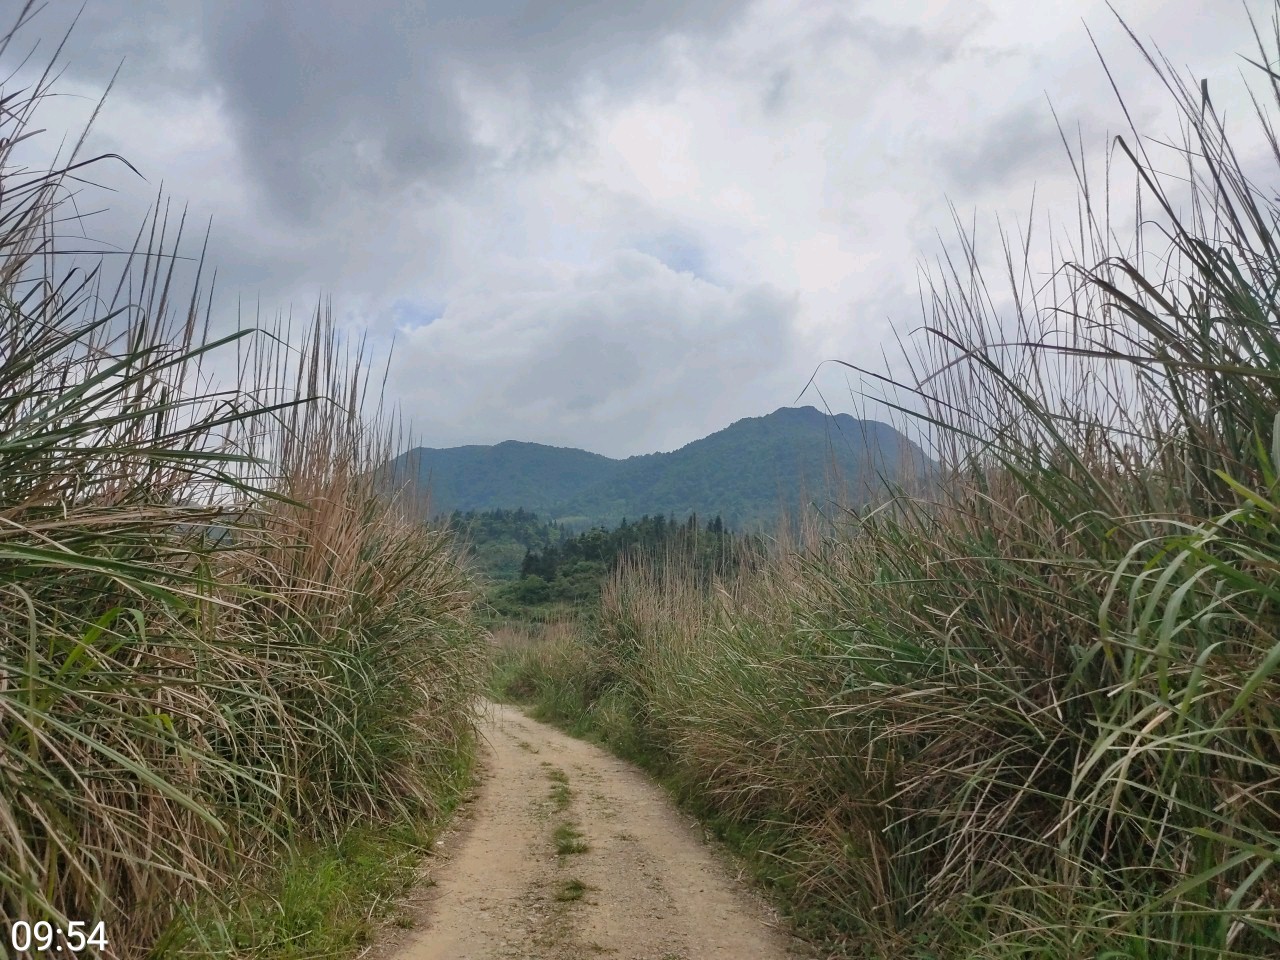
pixel 569 852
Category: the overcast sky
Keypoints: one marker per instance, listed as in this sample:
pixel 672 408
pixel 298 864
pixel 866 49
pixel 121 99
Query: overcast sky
pixel 617 225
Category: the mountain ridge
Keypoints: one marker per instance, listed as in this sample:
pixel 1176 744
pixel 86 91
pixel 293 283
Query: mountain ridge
pixel 749 472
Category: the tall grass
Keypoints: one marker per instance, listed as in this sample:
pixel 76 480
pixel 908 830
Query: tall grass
pixel 215 634
pixel 1032 712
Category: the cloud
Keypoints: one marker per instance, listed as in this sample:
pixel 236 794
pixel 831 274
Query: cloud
pixel 629 351
pixel 679 250
pixel 647 219
pixel 332 100
pixel 1023 140
pixel 329 102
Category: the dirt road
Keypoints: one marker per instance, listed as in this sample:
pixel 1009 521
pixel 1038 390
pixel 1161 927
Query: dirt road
pixel 569 852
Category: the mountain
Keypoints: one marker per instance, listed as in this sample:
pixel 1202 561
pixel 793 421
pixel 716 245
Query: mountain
pixel 507 475
pixel 745 473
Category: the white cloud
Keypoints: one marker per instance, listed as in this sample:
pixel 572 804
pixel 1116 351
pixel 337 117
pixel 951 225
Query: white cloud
pixel 632 224
pixel 626 350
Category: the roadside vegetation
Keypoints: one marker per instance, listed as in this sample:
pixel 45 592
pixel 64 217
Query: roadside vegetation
pixel 221 650
pixel 1032 710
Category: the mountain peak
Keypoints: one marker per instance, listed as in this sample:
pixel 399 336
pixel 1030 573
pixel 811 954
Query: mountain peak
pixel 801 413
pixel 750 473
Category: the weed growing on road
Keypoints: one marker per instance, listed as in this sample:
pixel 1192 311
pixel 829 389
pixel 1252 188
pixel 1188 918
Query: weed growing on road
pixel 561 795
pixel 570 840
pixel 571 890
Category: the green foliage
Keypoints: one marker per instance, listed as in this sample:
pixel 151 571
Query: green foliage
pixel 507 475
pixel 569 840
pixel 324 899
pixel 499 540
pixel 571 891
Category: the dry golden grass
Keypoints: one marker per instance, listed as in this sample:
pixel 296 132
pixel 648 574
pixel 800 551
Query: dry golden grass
pixel 217 633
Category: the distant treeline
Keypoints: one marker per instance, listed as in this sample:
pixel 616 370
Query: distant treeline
pixel 557 570
pixel 499 540
pixel 710 547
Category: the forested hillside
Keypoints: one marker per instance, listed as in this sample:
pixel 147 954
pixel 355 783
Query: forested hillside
pixel 509 475
pixel 749 474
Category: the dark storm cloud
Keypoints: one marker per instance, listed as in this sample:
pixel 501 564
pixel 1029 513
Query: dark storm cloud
pixel 327 96
pixel 556 40
pixel 331 98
